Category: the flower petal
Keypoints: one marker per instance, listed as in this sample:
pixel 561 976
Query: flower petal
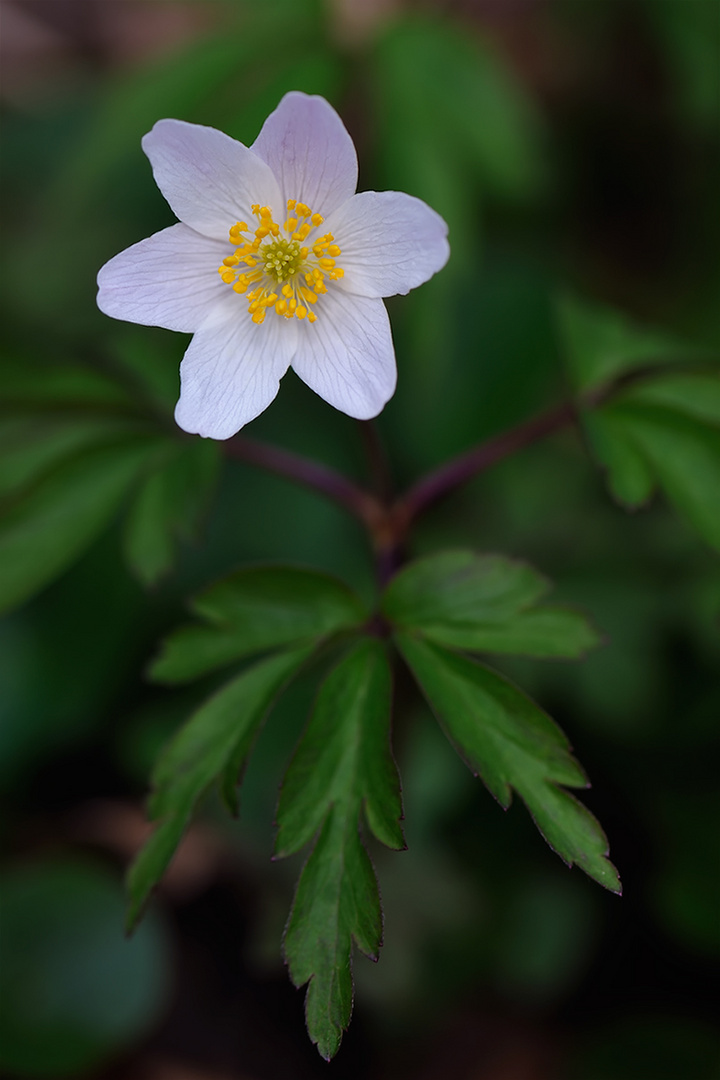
pixel 209 179
pixel 390 242
pixel 232 370
pixel 347 355
pixel 307 146
pixel 170 279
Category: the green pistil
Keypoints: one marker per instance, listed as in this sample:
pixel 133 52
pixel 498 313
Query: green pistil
pixel 281 258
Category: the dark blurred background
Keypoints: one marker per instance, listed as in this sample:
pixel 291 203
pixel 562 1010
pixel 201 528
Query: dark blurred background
pixel 568 143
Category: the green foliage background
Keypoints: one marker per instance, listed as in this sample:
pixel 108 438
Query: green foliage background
pixel 573 150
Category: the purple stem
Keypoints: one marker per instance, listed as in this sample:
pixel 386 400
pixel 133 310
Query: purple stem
pixel 309 473
pixel 435 485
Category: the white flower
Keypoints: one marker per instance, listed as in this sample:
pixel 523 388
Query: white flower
pixel 275 262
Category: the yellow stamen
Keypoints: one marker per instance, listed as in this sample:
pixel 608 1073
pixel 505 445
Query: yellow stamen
pixel 280 273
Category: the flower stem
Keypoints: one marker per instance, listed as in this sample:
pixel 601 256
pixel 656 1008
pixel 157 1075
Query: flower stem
pixel 311 474
pixel 440 482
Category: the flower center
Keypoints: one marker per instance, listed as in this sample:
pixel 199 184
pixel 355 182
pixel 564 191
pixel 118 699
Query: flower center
pixel 284 269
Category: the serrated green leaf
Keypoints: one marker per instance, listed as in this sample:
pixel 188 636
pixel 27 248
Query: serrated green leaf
pixel 484 603
pixel 344 757
pixel 600 343
pixel 512 744
pixel 49 525
pixel 336 902
pixel 343 764
pixel 254 610
pixel 168 506
pixel 224 727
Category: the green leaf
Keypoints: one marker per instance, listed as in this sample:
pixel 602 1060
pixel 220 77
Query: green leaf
pixel 49 525
pixel 342 765
pixel 458 86
pixel 169 506
pixel 665 432
pixel 254 610
pixel 685 457
pixel 223 728
pixel 31 445
pixel 29 386
pixel 344 757
pixel 336 902
pixel 695 395
pixel 601 344
pixel 512 744
pixel 629 476
pixel 484 603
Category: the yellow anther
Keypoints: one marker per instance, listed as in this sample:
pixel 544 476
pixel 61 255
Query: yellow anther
pixel 302 210
pixel 291 203
pixel 292 305
pixel 337 273
pixel 274 228
pixel 281 307
pixel 311 316
pixel 231 260
pixel 262 231
pixel 270 300
pixel 259 315
pixel 334 250
pixel 308 294
pixel 301 312
pixel 318 250
pixel 302 232
pixel 291 224
pixel 327 264
pixel 317 219
pixel 287 290
pixel 255 208
pixel 304 253
pixel 227 276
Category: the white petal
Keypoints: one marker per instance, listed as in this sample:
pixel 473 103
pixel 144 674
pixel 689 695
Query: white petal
pixel 232 370
pixel 171 280
pixel 390 242
pixel 347 355
pixel 306 145
pixel 209 179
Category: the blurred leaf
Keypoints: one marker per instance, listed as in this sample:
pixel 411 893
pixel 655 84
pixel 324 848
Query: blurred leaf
pixel 48 525
pixel 629 476
pixel 169 506
pixel 452 79
pixel 690 38
pixel 73 989
pixel 600 343
pixel 29 386
pixel 484 603
pixel 512 744
pixel 638 1045
pixel 254 610
pixel 637 440
pixel 31 445
pixel 223 729
pixel 342 765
